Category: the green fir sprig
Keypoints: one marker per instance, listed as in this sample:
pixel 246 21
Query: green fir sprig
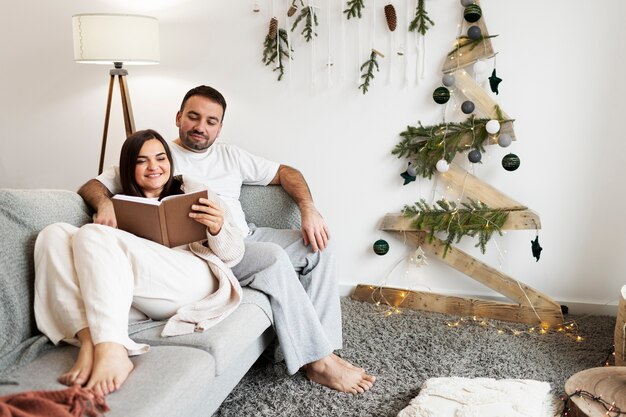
pixel 421 22
pixel 425 145
pixel 469 219
pixel 368 74
pixel 276 49
pixel 310 20
pixel 464 41
pixel 354 8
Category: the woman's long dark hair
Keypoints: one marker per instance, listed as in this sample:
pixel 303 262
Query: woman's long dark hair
pixel 128 160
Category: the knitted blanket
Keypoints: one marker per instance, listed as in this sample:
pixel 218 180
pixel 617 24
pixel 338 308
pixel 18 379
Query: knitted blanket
pixel 71 402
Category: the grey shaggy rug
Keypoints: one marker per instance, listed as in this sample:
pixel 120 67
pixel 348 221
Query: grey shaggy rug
pixel 404 350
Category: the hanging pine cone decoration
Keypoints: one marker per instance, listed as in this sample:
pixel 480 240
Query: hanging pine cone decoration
pixel 392 18
pixel 292 10
pixel 472 13
pixel 273 28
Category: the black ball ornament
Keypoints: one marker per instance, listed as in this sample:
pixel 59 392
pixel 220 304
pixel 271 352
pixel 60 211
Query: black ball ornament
pixel 474 33
pixel 467 107
pixel 474 156
pixel 441 95
pixel 381 247
pixel 510 162
pixel 472 13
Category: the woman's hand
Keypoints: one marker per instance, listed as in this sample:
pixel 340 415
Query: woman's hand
pixel 209 214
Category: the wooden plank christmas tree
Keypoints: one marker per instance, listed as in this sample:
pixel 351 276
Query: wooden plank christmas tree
pixel 430 151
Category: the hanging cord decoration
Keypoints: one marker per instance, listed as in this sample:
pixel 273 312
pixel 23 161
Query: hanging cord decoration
pixel 355 8
pixel 392 22
pixel 368 75
pixel 276 47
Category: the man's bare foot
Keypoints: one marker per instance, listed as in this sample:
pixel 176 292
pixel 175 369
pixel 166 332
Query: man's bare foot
pixel 345 362
pixel 333 374
pixel 79 373
pixel 110 369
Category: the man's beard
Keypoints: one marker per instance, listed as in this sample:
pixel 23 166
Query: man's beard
pixel 193 144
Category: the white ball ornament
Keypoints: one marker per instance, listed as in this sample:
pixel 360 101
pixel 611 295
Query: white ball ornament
pixel 480 67
pixel 442 165
pixel 492 126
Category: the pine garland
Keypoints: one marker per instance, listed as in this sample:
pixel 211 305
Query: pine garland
pixel 425 145
pixel 368 75
pixel 310 19
pixel 464 41
pixel 421 22
pixel 354 8
pixel 471 219
pixel 277 48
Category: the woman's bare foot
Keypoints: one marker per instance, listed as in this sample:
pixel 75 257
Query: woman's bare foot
pixel 332 373
pixel 110 369
pixel 79 373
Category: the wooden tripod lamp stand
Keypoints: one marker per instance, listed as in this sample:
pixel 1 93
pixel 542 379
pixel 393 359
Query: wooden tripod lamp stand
pixel 116 39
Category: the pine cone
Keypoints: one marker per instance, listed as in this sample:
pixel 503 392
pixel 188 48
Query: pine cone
pixel 390 15
pixel 273 28
pixel 292 9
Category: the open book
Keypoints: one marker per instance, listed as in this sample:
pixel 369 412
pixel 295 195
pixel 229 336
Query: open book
pixel 166 222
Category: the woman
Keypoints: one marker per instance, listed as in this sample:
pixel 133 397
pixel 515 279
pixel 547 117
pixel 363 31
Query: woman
pixel 87 279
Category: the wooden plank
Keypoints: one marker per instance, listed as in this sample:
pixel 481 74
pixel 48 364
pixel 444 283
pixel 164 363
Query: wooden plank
pixel 485 274
pixel 485 104
pixel 517 220
pixel 475 188
pixel 620 330
pixel 464 57
pixel 458 306
pixel 609 382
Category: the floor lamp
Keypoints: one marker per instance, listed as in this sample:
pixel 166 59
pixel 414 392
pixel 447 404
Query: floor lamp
pixel 116 39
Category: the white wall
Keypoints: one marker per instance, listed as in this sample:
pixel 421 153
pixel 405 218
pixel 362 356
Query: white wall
pixel 561 61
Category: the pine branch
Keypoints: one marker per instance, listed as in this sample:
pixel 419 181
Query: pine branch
pixel 371 64
pixel 421 22
pixel 275 49
pixel 471 219
pixel 310 17
pixel 425 145
pixel 354 8
pixel 464 41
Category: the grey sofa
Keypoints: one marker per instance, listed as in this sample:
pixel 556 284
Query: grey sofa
pixel 187 375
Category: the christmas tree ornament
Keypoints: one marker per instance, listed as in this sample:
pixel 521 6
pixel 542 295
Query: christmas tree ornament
pixel 409 175
pixel 390 15
pixel 273 29
pixel 536 248
pixel 441 95
pixel 467 107
pixel 510 162
pixel 354 9
pixel 474 33
pixel 309 17
pixel 381 247
pixel 466 3
pixel 421 22
pixel 504 140
pixel 474 156
pixel 292 9
pixel 368 68
pixel 492 126
pixel 448 80
pixel 480 67
pixel 442 165
pixel 472 13
pixel 256 8
pixel 494 81
pixel 418 258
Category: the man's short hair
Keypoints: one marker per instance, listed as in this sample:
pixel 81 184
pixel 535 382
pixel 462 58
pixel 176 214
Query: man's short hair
pixel 206 92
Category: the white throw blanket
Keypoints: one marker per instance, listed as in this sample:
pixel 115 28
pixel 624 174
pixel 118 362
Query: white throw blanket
pixel 482 397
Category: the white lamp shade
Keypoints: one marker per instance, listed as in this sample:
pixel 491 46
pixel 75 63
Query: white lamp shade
pixel 108 38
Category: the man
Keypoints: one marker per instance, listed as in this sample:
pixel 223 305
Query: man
pixel 299 281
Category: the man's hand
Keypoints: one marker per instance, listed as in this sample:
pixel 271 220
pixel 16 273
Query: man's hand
pixel 314 229
pixel 209 214
pixel 105 215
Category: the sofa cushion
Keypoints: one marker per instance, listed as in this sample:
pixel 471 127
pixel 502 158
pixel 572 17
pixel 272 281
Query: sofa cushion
pixel 166 381
pixel 269 206
pixel 226 340
pixel 23 213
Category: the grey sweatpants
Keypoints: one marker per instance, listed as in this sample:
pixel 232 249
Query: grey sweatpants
pixel 302 289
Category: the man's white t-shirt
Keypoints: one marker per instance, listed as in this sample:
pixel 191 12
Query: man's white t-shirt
pixel 223 168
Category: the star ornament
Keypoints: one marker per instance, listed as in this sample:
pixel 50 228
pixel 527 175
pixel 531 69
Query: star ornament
pixel 408 177
pixel 536 248
pixel 494 81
